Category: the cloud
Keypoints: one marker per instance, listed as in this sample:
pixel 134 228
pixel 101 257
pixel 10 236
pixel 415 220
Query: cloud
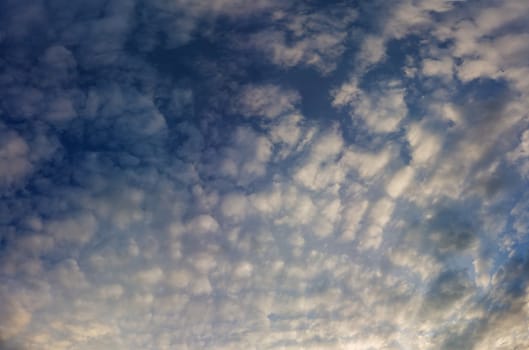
pixel 382 111
pixel 372 51
pixel 167 181
pixel 247 157
pixel 368 164
pixel 400 181
pixel 267 101
pixel 14 151
pixel 442 67
pixel 379 215
pixel 307 38
pixel 181 21
pixel 14 318
pixel 25 151
pixel 448 288
pixel 317 172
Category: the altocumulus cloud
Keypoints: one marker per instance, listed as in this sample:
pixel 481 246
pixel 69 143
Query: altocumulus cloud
pixel 232 174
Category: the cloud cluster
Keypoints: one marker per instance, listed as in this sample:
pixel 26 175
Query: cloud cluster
pixel 205 207
pixel 301 36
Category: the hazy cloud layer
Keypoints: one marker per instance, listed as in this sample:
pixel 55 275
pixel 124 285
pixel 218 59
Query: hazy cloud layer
pixel 264 175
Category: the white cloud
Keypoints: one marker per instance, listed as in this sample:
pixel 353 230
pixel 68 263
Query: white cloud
pixel 306 39
pixel 234 206
pixel 403 18
pixel 15 152
pixel 325 224
pixel 322 169
pixel 287 132
pixel 299 208
pixel 149 276
pixel 70 276
pixel 77 230
pixel 268 201
pixel 353 214
pixel 379 215
pixel 382 111
pixel 373 50
pixel 317 175
pixel 425 145
pixel 269 101
pixel 483 49
pixel 202 224
pixel 367 164
pixel 411 16
pixel 243 270
pixel 13 316
pixel 400 181
pixel 112 291
pixel 442 67
pixel 248 156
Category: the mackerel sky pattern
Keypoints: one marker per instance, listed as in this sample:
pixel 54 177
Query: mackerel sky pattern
pixel 264 174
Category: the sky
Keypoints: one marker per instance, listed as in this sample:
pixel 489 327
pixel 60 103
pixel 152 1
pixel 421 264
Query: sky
pixel 264 174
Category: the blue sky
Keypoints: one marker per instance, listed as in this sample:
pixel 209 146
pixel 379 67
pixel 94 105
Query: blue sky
pixel 234 174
